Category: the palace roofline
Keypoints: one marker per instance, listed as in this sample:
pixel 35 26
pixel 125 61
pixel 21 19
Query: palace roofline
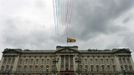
pixel 75 48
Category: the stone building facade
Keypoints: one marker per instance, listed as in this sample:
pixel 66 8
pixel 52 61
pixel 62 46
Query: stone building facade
pixel 66 60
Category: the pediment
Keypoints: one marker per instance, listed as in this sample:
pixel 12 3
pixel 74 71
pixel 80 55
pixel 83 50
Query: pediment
pixel 67 50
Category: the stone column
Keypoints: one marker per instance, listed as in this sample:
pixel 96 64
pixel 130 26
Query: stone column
pixel 1 62
pixel 132 63
pixel 117 63
pixel 58 64
pixel 75 65
pixel 64 62
pixel 69 61
pixel 15 63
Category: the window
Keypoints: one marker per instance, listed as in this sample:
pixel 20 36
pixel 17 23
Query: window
pixel 102 61
pixel 47 61
pixel 91 60
pixel 86 67
pixel 11 68
pixel 19 68
pixel 47 68
pixel 130 67
pixel 126 67
pixel 41 68
pixel 108 68
pixel 25 68
pixel 9 60
pixel 4 62
pixel 34 56
pixel 37 61
pixel 120 60
pixel 102 67
pixel 42 61
pixel 7 67
pixel 30 68
pixel 26 61
pixel 122 68
pixel 97 68
pixel 31 61
pixel 128 60
pixel 114 68
pixel 107 60
pixel 2 68
pixel 124 60
pixel 112 60
pixel 20 61
pixel 36 68
pixel 92 67
pixel 13 60
pixel 86 61
pixel 80 67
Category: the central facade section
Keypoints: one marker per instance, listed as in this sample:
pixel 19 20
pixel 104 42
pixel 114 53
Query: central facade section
pixel 67 64
pixel 66 57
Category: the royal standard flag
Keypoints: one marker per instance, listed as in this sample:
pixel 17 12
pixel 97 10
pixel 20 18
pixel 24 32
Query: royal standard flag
pixel 71 40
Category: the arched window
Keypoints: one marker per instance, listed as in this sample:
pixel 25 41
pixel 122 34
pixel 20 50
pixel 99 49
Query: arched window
pixel 41 68
pixel 25 68
pixel 18 68
pixel 7 68
pixel 97 68
pixel 47 61
pixel 11 68
pixel 108 68
pixel 9 60
pixel 13 59
pixel 80 67
pixel 102 61
pixel 37 60
pixel 26 61
pixel 114 68
pixel 36 68
pixel 47 68
pixel 124 60
pixel 128 60
pixel 126 67
pixel 86 68
pixel 112 61
pixel 42 61
pixel 120 60
pixel 2 68
pixel 30 68
pixel 130 67
pixel 102 67
pixel 20 62
pixel 5 60
pixel 31 61
pixel 122 68
pixel 92 68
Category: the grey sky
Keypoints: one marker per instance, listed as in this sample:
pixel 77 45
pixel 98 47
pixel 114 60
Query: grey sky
pixel 28 24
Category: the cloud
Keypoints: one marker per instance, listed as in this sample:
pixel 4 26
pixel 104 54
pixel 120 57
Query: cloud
pixel 94 17
pixel 94 23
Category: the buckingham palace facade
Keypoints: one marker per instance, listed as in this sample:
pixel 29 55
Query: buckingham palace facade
pixel 67 60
